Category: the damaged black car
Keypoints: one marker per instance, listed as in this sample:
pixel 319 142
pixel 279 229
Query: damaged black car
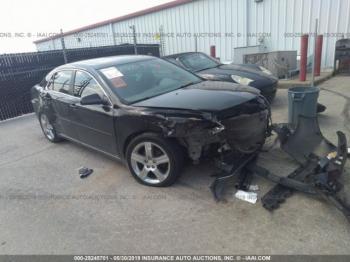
pixel 211 69
pixel 149 113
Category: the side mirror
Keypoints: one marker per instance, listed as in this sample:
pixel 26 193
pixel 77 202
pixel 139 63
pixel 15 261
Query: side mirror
pixel 93 99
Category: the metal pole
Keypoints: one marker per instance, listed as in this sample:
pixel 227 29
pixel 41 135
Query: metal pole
pixel 63 48
pixel 319 43
pixel 314 55
pixel 134 37
pixel 303 57
pixel 247 23
pixel 213 51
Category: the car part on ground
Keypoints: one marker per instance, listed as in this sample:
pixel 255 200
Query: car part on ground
pixel 84 172
pixel 321 108
pixel 321 166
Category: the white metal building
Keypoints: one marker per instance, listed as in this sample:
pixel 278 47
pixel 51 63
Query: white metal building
pixel 189 25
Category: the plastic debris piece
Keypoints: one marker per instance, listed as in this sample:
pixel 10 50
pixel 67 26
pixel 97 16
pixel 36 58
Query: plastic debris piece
pixel 250 197
pixel 253 188
pixel 85 172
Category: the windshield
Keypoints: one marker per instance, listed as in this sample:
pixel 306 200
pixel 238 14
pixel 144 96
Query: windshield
pixel 198 61
pixel 140 80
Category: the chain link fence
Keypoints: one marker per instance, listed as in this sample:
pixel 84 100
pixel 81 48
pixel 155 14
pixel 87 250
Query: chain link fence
pixel 20 71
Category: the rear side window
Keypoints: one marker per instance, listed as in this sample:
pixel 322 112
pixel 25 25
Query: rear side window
pixel 61 82
pixel 173 60
pixel 44 83
pixel 85 85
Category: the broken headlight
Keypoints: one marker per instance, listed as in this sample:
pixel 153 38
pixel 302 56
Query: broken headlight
pixel 241 80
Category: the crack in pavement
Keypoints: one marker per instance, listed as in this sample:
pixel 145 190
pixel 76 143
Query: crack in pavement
pixel 25 156
pixel 346 110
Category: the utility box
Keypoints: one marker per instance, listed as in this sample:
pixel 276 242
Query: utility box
pixel 342 56
pixel 240 52
pixel 280 63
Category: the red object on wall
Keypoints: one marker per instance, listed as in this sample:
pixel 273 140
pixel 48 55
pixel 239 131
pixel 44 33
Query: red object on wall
pixel 213 51
pixel 318 54
pixel 303 56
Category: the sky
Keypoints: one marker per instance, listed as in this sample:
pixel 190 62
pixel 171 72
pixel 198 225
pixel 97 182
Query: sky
pixel 24 21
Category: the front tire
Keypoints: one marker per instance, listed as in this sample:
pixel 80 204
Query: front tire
pixel 154 160
pixel 48 129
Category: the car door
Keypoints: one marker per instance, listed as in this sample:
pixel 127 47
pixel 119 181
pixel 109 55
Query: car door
pixel 59 91
pixel 94 123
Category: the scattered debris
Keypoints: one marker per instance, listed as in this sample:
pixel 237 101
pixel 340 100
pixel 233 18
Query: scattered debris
pixel 253 188
pixel 231 171
pixel 321 166
pixel 85 172
pixel 321 108
pixel 250 197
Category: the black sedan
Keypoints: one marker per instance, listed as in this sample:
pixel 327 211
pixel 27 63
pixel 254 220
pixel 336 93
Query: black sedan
pixel 149 113
pixel 211 69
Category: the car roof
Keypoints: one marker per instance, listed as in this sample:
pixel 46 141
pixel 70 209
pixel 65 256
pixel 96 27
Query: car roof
pixel 103 62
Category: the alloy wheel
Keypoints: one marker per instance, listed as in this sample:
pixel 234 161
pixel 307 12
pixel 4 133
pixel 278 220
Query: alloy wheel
pixel 150 162
pixel 47 127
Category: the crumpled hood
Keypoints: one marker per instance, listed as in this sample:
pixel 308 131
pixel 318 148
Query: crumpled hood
pixel 208 96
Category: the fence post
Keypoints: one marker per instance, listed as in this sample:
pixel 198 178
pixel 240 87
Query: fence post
pixel 113 33
pixel 314 54
pixel 63 48
pixel 161 41
pixel 132 27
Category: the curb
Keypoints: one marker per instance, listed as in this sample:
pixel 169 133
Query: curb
pixel 286 84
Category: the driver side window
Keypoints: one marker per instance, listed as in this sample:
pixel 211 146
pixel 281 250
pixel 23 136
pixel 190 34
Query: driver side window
pixel 85 85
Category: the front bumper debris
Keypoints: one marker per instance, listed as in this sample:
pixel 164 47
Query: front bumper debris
pixel 321 164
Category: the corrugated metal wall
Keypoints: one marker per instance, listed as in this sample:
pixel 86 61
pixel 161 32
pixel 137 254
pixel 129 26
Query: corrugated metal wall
pixel 277 24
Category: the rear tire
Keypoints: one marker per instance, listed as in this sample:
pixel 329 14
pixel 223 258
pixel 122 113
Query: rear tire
pixel 48 129
pixel 154 160
pixel 270 96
